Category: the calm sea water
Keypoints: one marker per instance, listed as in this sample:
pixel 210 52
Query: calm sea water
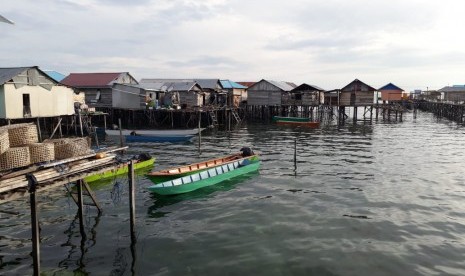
pixel 380 198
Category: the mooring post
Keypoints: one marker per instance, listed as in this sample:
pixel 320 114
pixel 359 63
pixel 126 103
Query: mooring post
pixel 80 124
pixel 200 131
pixel 120 133
pixel 80 204
pixel 32 184
pixel 132 202
pixel 295 154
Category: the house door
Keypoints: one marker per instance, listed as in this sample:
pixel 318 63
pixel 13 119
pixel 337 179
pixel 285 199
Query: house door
pixel 26 106
pixel 352 98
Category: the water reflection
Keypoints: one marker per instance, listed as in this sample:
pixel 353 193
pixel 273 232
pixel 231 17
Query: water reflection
pixel 161 201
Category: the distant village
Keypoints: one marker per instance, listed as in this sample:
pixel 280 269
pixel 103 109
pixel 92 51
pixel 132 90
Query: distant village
pixel 29 92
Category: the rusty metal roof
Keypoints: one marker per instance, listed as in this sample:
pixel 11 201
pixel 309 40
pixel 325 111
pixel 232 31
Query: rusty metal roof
pixel 90 79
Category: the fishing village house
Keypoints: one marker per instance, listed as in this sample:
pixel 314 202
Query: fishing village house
pixel 182 94
pixel 28 92
pixel 213 92
pixel 390 93
pixel 331 97
pixel 268 92
pixel 356 93
pixel 304 95
pixel 236 93
pixel 97 87
pixel 454 94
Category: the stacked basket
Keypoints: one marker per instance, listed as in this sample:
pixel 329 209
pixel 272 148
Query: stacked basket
pixel 15 153
pixel 19 147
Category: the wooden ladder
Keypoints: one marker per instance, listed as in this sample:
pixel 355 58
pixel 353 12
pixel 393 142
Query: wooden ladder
pixel 236 115
pixel 89 197
pixel 213 116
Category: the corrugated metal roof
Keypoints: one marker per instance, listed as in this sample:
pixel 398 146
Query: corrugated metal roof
pixel 285 86
pixel 361 83
pixel 308 87
pixel 90 79
pixel 166 86
pixel 390 86
pixel 452 89
pixel 227 84
pixel 54 75
pixel 247 83
pixel 208 83
pixel 6 74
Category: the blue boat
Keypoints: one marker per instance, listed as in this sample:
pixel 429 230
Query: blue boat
pixel 172 139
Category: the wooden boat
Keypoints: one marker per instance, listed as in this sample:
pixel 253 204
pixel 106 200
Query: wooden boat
pixel 295 121
pixel 154 132
pixel 171 139
pixel 142 161
pixel 172 173
pixel 290 119
pixel 207 177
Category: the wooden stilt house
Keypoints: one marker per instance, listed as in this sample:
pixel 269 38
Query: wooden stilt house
pixel 356 93
pixel 268 92
pixel 304 95
pixel 97 87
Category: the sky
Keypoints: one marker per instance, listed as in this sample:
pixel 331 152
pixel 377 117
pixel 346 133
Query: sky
pixel 414 44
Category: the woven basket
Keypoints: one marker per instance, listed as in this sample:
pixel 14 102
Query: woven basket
pixel 15 158
pixel 59 141
pixel 4 140
pixel 41 152
pixel 22 134
pixel 73 148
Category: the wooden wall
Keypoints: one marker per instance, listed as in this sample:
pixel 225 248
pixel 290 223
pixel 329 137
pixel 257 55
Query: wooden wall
pixel 357 98
pixel 391 95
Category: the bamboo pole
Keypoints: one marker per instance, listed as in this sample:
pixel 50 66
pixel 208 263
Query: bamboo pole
pixel 132 203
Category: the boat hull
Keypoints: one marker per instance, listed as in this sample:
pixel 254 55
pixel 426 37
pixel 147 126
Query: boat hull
pixel 290 119
pixel 157 133
pixel 306 124
pixel 173 173
pixel 120 170
pixel 159 139
pixel 205 178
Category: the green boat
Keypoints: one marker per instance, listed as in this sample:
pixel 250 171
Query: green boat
pixel 290 119
pixel 207 177
pixel 121 169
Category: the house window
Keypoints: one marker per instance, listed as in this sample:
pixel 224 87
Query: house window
pixel 26 106
pixel 298 96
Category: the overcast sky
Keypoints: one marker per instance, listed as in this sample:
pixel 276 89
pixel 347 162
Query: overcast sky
pixel 413 43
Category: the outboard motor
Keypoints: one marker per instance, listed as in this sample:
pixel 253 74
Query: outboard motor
pixel 246 151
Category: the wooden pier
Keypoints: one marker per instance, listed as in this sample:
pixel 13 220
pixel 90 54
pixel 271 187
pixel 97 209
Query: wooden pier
pixel 454 112
pixel 39 178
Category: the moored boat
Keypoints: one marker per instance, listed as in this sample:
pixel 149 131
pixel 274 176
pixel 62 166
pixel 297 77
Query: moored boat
pixel 154 132
pixel 142 161
pixel 295 121
pixel 208 177
pixel 176 172
pixel 159 139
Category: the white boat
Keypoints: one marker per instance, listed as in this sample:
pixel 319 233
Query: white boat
pixel 154 133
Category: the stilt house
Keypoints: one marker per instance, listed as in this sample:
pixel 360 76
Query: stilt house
pixel 391 93
pixel 356 93
pixel 455 93
pixel 304 94
pixel 28 92
pixel 236 93
pixel 98 87
pixel 268 92
pixel 177 93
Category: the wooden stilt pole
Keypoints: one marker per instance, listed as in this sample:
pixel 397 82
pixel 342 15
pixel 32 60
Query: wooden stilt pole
pixel 80 204
pixel 132 202
pixel 120 133
pixel 38 129
pixel 200 132
pixel 32 183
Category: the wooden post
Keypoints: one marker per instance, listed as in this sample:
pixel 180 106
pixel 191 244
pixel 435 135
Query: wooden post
pixel 32 183
pixel 38 129
pixel 120 133
pixel 80 204
pixel 132 202
pixel 80 124
pixel 295 154
pixel 200 131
